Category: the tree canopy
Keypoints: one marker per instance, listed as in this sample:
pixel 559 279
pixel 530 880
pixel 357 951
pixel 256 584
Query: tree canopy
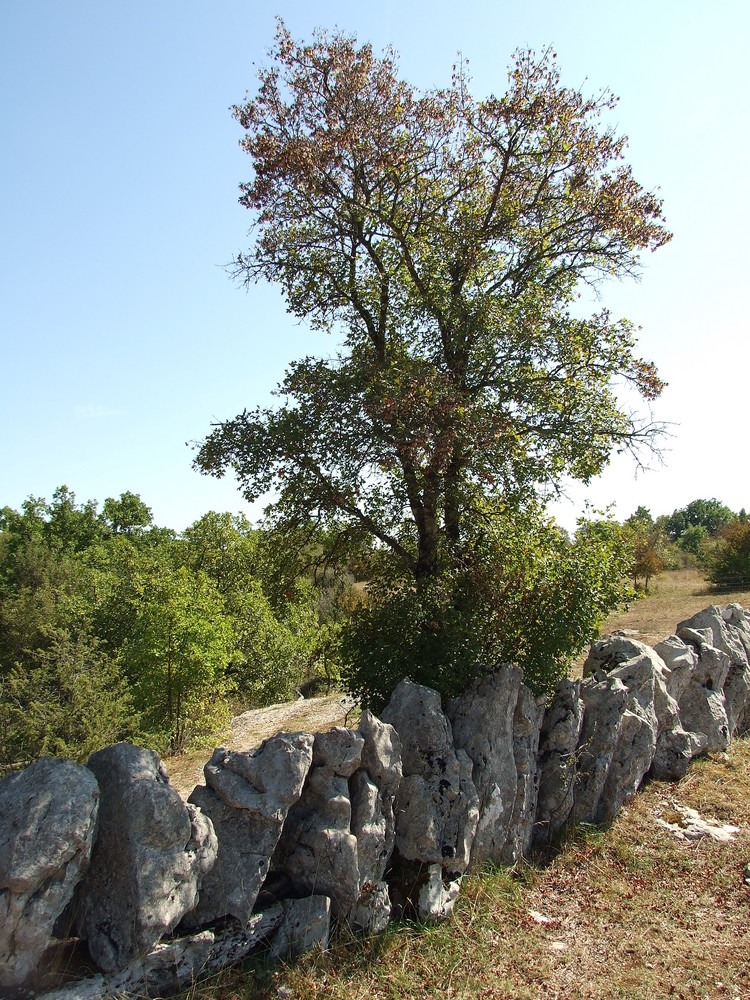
pixel 443 239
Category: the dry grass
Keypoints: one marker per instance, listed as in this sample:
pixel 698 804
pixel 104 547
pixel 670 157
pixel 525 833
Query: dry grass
pixel 674 597
pixel 627 912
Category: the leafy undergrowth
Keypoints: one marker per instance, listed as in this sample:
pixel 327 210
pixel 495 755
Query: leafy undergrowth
pixel 630 911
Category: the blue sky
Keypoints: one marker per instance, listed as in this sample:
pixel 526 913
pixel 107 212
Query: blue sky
pixel 122 337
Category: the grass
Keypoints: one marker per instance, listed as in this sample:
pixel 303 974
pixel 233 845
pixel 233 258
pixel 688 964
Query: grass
pixel 626 912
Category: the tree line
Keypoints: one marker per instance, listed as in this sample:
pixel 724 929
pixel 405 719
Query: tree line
pixel 112 627
pixel 705 533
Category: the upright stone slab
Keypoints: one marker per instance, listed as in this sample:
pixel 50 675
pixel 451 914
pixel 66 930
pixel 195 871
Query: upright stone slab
pixel 247 796
pixel 372 789
pixel 738 623
pixel 637 666
pixel 730 634
pixel 437 807
pixel 482 722
pixel 561 730
pixel 435 819
pixel 703 708
pixel 604 704
pixel 48 818
pixel 148 861
pixel 317 849
pixel 527 724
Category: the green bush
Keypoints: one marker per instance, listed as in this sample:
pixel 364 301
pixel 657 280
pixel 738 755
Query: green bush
pixel 729 558
pixel 523 593
pixel 68 700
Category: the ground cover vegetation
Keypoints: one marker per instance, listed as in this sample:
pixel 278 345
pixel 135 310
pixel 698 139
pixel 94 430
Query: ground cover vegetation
pixel 443 240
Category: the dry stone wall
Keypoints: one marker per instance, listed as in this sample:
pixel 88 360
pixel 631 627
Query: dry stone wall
pixel 351 826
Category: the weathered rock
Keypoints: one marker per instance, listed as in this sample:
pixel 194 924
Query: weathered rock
pixel 638 667
pixel 604 704
pixel 703 708
pixel 435 817
pixel 48 816
pixel 436 900
pixel 372 790
pixel 247 796
pixel 317 849
pixel 306 925
pixel 527 724
pixel 381 753
pixel 482 721
pixel 726 632
pixel 371 913
pixel 738 621
pixel 680 661
pixel 150 855
pixel 730 635
pixel 561 730
pixel 436 805
pixel 177 963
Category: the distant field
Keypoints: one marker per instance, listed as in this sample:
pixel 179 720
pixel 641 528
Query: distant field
pixel 674 597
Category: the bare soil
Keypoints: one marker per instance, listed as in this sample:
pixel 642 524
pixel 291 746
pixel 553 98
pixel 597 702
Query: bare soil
pixel 310 715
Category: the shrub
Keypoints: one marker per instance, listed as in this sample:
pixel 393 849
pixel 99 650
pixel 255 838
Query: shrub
pixel 729 559
pixel 524 593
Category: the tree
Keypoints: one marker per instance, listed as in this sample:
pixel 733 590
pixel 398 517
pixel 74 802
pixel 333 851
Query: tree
pixel 128 514
pixel 709 514
pixel 729 559
pixel 648 544
pixel 443 239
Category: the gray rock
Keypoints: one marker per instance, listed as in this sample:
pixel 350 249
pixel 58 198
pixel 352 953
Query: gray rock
pixel 527 724
pixel 373 826
pixel 680 661
pixel 247 796
pixel 381 753
pixel 482 721
pixel 435 817
pixel 148 860
pixel 317 849
pixel 638 667
pixel 436 900
pixel 372 791
pixel 730 634
pixel 177 963
pixel 703 708
pixel 604 704
pixel 561 730
pixel 48 816
pixel 725 633
pixel 371 913
pixel 306 925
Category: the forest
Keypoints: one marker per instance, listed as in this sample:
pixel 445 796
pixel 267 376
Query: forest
pixel 112 627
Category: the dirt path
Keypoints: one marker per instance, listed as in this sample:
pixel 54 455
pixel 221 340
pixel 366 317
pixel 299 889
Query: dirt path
pixel 311 715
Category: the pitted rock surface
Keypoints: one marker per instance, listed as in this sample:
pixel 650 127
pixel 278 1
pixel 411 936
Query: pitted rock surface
pixel 48 815
pixel 148 861
pixel 561 730
pixel 482 721
pixel 317 849
pixel 436 815
pixel 604 705
pixel 247 796
pixel 527 724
